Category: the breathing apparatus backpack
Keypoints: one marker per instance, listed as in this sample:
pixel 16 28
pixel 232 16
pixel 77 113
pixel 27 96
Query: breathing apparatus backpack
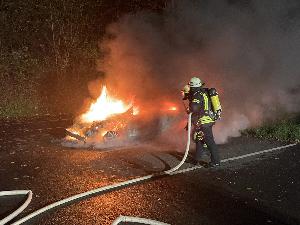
pixel 215 103
pixel 212 105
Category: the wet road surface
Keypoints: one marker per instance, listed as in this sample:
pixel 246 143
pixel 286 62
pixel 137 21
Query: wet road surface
pixel 258 190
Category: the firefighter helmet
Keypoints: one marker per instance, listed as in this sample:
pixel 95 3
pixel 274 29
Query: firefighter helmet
pixel 195 82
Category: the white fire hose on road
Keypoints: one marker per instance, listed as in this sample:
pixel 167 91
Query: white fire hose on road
pixel 171 171
pixel 21 208
pixel 99 190
pixel 132 219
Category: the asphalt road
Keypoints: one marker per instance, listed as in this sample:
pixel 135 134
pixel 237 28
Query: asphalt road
pixel 257 190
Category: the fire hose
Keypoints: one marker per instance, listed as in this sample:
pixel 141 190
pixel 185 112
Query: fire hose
pixel 21 208
pixel 137 220
pixel 99 190
pixel 123 184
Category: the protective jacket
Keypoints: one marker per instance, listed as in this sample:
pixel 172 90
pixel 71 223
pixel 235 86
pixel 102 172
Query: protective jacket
pixel 201 106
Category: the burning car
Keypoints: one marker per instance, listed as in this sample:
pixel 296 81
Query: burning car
pixel 109 119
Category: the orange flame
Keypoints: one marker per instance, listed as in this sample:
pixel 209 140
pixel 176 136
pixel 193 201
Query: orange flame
pixel 104 107
pixel 173 108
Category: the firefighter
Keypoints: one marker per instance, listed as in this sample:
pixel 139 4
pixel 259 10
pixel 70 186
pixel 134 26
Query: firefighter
pixel 205 106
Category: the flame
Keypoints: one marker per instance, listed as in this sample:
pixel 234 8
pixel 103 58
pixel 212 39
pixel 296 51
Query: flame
pixel 169 106
pixel 173 108
pixel 135 110
pixel 104 107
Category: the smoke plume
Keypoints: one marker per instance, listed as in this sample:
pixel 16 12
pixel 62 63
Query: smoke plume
pixel 248 50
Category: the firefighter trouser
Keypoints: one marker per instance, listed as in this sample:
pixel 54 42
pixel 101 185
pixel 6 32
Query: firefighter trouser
pixel 204 135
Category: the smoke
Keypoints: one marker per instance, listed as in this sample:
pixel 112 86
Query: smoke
pixel 248 50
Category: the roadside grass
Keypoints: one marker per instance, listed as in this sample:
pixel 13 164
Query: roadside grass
pixel 283 130
pixel 18 96
pixel 18 108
